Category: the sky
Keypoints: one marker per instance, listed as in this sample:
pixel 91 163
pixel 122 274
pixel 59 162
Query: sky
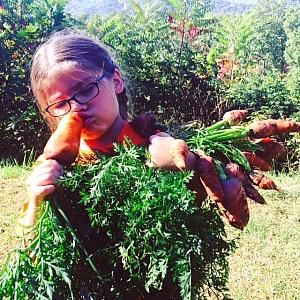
pixel 77 7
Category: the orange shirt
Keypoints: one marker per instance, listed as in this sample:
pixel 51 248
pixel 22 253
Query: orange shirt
pixel 127 132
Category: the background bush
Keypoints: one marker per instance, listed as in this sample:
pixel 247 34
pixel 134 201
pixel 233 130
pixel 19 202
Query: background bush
pixel 264 94
pixel 23 26
pixel 182 61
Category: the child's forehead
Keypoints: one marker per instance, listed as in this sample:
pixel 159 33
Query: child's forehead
pixel 63 82
pixel 70 72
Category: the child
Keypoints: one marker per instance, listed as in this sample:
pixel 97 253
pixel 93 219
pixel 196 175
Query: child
pixel 73 73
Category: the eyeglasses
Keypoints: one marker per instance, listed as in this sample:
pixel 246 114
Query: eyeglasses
pixel 82 96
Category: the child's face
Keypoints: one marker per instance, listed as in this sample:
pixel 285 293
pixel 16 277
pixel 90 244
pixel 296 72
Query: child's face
pixel 100 113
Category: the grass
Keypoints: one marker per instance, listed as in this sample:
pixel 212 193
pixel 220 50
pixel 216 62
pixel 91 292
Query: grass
pixel 266 264
pixel 12 187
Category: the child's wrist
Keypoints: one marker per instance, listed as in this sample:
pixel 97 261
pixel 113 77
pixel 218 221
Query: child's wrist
pixel 35 203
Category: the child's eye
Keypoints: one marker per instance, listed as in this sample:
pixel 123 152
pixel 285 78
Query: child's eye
pixel 60 105
pixel 86 93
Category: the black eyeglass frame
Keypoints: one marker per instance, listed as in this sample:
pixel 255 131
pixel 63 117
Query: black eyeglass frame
pixel 96 82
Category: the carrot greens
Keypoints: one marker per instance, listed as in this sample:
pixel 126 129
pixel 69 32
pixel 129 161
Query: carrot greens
pixel 158 238
pixel 39 269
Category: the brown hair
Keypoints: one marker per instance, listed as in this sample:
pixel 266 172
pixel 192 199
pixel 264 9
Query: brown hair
pixel 65 48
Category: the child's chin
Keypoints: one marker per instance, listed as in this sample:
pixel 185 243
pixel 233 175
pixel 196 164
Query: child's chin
pixel 90 134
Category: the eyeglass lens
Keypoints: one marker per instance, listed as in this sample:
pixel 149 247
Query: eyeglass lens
pixel 82 96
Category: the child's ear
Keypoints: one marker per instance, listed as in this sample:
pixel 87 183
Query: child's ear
pixel 118 82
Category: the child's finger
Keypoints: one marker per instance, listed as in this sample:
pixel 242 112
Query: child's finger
pixel 43 179
pixel 46 170
pixel 159 134
pixel 42 191
pixel 49 163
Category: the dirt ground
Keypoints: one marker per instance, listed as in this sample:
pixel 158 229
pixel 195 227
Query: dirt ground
pixel 11 195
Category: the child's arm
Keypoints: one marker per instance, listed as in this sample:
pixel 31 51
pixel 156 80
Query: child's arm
pixel 61 148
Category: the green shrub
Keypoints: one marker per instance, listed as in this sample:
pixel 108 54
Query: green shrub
pixel 23 26
pixel 262 94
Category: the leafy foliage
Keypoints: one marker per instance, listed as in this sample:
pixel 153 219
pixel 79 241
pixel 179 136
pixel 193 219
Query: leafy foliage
pixel 155 227
pixel 265 94
pixel 38 270
pixel 23 26
pixel 160 240
pixel 292 52
pixel 165 60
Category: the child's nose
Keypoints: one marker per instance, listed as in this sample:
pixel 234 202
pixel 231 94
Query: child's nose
pixel 75 106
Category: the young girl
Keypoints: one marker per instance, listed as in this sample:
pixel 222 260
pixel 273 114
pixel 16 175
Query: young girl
pixel 74 73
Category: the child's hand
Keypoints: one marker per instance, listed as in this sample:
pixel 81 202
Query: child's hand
pixel 42 180
pixel 162 147
pixel 159 151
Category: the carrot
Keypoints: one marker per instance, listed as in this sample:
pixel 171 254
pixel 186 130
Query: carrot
pixel 209 177
pixel 179 150
pixel 256 161
pixel 229 195
pixel 232 117
pixel 196 186
pixel 235 203
pixel 267 128
pixel 263 181
pixel 64 143
pixel 235 117
pixel 252 193
pixel 271 149
pixel 235 171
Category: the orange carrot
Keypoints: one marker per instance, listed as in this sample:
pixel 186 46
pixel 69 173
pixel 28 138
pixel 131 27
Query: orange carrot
pixel 235 116
pixel 235 203
pixel 271 127
pixel 252 193
pixel 235 171
pixel 256 161
pixel 64 143
pixel 179 150
pixel 209 177
pixel 271 149
pixel 263 181
pixel 229 195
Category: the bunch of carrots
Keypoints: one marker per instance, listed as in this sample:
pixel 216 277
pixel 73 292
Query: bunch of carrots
pixel 231 158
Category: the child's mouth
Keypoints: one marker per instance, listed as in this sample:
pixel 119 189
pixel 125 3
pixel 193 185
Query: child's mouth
pixel 88 122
